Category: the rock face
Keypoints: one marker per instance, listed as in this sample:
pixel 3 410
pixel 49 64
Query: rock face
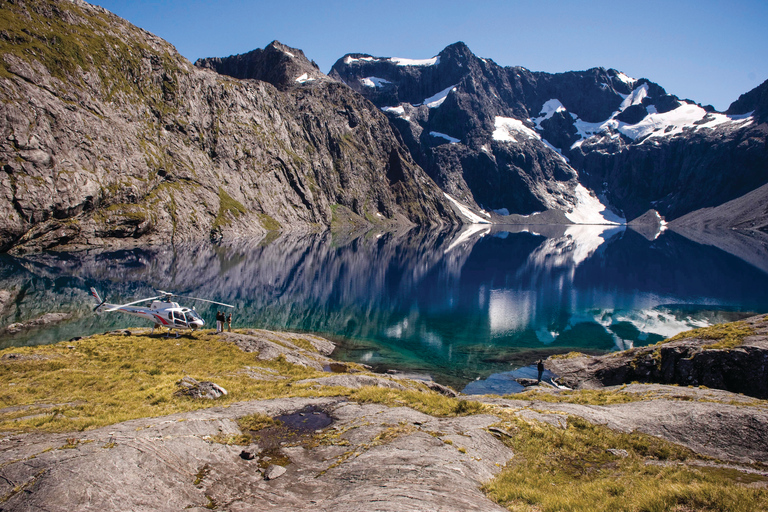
pixel 110 137
pixel 514 140
pixel 687 362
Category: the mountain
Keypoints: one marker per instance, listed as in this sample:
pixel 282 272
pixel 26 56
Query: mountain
pixel 110 137
pixel 517 142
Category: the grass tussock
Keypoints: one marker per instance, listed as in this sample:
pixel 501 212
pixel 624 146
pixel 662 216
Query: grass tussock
pixel 431 403
pixel 581 396
pixel 572 470
pixel 722 336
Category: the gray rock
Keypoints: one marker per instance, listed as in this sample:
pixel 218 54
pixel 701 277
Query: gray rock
pixel 270 345
pixel 41 321
pixel 195 389
pixel 274 471
pixel 353 381
pixel 390 459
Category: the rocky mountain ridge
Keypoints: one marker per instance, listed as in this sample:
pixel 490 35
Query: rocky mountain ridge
pixel 516 141
pixel 110 137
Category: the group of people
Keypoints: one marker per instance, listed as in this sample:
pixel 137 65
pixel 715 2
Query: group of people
pixel 220 319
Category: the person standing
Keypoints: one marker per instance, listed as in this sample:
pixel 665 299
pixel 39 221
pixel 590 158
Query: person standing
pixel 219 321
pixel 540 367
pixel 229 322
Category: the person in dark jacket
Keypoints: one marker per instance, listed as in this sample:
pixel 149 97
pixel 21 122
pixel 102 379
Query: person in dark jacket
pixel 540 367
pixel 219 321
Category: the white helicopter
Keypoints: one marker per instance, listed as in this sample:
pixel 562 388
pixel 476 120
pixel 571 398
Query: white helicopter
pixel 162 312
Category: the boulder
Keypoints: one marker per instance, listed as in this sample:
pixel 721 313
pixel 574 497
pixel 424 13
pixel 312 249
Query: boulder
pixel 195 389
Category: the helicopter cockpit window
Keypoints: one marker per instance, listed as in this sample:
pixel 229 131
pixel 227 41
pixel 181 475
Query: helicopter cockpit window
pixel 192 315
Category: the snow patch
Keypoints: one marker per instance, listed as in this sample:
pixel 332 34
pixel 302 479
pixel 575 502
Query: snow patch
pixel 304 78
pixel 373 81
pixel 289 54
pixel 415 62
pixel 395 110
pixel 466 212
pixel 550 108
pixel 350 60
pixel 626 79
pixel 438 99
pixel 450 139
pixel 635 98
pixel 501 211
pixel 507 127
pixel 589 210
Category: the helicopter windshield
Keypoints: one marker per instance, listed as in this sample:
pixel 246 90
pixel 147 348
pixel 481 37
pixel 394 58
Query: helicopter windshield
pixel 192 315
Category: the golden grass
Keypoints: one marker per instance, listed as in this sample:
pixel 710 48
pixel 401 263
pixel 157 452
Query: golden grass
pixel 723 336
pixel 581 396
pixel 107 379
pixel 572 470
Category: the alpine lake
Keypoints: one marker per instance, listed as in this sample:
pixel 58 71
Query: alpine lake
pixel 472 308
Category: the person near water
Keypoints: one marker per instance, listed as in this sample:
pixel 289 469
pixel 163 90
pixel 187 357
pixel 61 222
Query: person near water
pixel 540 367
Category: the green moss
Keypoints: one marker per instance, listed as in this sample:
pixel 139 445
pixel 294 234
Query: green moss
pixel 229 209
pixel 569 355
pixel 69 41
pixel 269 223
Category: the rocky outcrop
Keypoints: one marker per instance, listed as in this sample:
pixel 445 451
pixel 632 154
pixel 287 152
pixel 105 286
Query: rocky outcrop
pixel 710 422
pixel 110 137
pixel 690 361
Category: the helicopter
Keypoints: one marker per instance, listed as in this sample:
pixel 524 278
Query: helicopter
pixel 161 311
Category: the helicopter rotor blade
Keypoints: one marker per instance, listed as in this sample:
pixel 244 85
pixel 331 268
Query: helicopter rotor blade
pixel 169 294
pixel 205 300
pixel 115 308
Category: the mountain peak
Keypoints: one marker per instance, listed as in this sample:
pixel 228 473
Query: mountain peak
pixel 279 64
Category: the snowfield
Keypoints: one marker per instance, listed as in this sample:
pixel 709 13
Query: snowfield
pixel 589 210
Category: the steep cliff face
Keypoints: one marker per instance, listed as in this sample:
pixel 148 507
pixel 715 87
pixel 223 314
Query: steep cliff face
pixel 521 141
pixel 110 137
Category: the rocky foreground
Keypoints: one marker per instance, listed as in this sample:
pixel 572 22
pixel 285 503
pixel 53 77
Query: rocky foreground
pixel 367 450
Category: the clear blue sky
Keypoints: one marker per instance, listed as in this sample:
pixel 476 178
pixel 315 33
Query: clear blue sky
pixel 708 51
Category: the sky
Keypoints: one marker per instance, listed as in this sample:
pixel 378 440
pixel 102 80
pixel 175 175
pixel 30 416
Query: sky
pixel 704 50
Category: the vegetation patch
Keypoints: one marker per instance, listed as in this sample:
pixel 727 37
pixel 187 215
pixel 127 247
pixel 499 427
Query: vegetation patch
pixel 268 222
pixel 722 336
pixel 591 468
pixel 229 209
pixel 581 396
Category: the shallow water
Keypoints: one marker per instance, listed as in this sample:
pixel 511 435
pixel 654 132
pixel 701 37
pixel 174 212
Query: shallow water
pixel 458 306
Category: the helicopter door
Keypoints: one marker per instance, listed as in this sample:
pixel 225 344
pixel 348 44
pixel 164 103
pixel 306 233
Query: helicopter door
pixel 178 318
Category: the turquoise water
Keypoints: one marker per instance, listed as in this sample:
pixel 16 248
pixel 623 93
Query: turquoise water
pixel 458 306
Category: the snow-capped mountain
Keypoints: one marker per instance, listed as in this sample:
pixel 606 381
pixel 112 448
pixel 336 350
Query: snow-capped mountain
pixel 598 145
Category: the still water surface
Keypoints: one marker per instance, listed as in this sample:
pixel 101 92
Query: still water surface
pixel 457 306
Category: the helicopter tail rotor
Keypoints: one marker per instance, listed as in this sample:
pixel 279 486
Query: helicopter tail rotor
pixel 97 297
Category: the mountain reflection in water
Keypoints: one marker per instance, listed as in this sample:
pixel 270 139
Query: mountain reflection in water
pixel 455 305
